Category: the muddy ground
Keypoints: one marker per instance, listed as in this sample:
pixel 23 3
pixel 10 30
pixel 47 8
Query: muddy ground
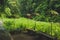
pixel 23 37
pixel 31 35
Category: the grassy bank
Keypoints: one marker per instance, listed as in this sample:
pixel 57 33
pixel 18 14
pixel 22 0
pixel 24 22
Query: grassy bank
pixel 24 23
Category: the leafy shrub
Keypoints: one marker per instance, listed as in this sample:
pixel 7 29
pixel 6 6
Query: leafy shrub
pixel 8 11
pixel 24 23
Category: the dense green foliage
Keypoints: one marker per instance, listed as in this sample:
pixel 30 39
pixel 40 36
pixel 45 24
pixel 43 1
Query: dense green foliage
pixel 44 15
pixel 47 10
pixel 24 23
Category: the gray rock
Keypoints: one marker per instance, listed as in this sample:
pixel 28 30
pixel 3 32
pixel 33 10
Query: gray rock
pixel 1 25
